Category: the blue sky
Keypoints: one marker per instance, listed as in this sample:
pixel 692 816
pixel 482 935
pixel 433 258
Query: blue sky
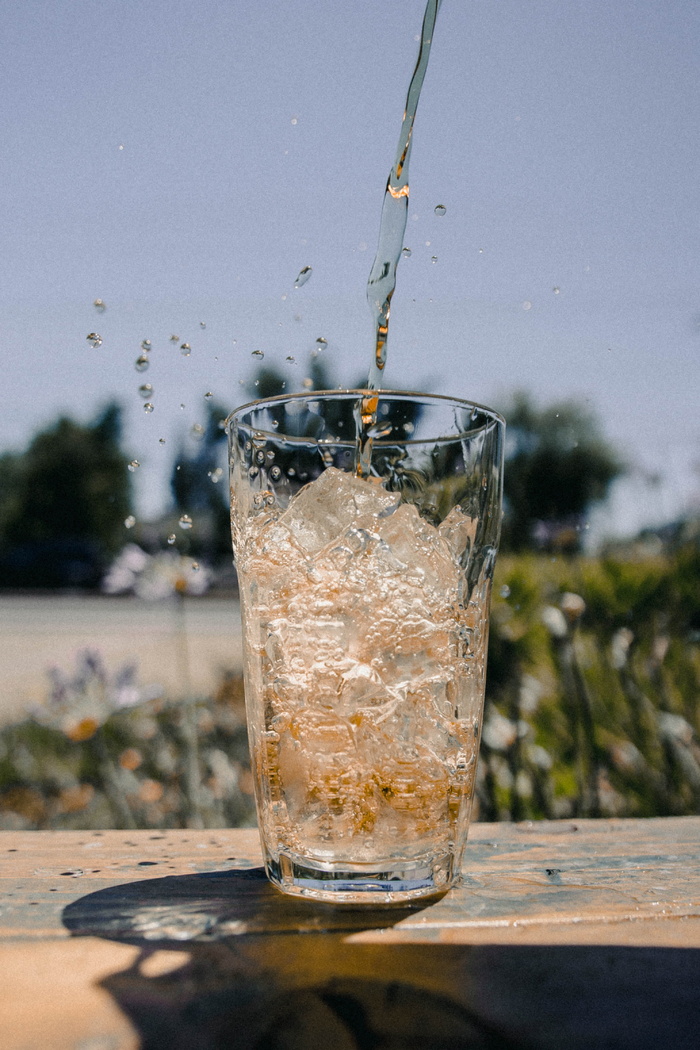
pixel 184 160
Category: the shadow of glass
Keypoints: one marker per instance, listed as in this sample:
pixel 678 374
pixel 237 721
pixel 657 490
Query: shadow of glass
pixel 268 972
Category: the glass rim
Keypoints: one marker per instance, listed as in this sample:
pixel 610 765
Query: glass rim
pixel 346 392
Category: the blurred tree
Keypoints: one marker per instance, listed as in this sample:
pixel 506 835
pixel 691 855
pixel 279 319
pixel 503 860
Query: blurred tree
pixel 63 503
pixel 558 465
pixel 199 485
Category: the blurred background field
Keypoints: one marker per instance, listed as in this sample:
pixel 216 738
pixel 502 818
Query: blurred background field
pixel 122 702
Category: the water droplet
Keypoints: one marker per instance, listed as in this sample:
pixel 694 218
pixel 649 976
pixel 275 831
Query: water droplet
pixel 182 405
pixel 145 390
pixel 100 305
pixel 129 522
pixel 275 473
pixel 208 396
pixel 145 345
pixel 202 324
pixel 433 259
pixel 257 353
pixel 406 252
pixel 216 475
pixel 94 340
pixel 295 120
pixel 197 431
pixel 185 349
pixel 290 358
pixel 185 521
pixel 148 407
pixel 505 591
pixel 172 538
pixel 195 566
pixel 308 384
pixel 556 290
pixel 174 338
pixel 440 209
pixel 134 465
pixel 141 363
pixel 321 343
pixel 161 441
pixel 527 305
pixel 303 276
pixel 121 145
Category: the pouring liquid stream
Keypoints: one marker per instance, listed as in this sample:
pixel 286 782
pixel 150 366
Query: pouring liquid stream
pixel 392 227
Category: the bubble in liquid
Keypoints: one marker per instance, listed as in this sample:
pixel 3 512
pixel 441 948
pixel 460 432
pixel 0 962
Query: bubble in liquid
pixel 172 538
pixel 141 363
pixel 406 253
pixel 145 390
pixel 440 209
pixel 100 305
pixel 321 343
pixel 257 353
pixel 145 345
pixel 148 407
pixel 208 396
pixel 94 340
pixel 303 276
pixel 129 522
pixel 197 431
pixel 134 465
pixel 185 349
pixel 185 521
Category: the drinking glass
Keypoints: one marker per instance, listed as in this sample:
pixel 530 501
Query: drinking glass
pixel 365 570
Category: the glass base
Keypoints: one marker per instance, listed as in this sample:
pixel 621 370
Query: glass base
pixel 388 882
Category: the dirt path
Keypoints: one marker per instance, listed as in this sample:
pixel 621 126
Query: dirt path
pixel 37 632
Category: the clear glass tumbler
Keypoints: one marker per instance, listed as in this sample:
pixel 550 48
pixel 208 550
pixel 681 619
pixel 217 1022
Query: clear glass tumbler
pixel 365 579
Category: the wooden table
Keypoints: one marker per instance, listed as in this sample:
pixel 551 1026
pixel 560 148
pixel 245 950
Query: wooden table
pixel 562 935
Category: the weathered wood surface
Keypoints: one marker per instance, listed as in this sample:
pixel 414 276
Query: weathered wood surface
pixel 582 933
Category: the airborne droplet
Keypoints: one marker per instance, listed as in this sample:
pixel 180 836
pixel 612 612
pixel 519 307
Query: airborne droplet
pixel 406 252
pixel 433 258
pixel 145 390
pixel 197 431
pixel 172 538
pixel 216 475
pixel 185 349
pixel 145 345
pixel 148 407
pixel 202 324
pixel 556 290
pixel 174 338
pixel 303 276
pixel 129 522
pixel 141 363
pixel 321 343
pixel 440 209
pixel 257 353
pixel 134 465
pixel 291 358
pixel 185 521
pixel 208 396
pixel 94 340
pixel 100 305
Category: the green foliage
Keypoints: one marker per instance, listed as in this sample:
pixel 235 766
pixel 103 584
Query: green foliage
pixel 64 499
pixel 199 488
pixel 557 467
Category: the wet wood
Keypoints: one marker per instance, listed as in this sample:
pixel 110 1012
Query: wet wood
pixel 585 933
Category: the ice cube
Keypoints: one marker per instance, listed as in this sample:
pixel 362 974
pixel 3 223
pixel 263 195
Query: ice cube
pixel 336 500
pixel 458 530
